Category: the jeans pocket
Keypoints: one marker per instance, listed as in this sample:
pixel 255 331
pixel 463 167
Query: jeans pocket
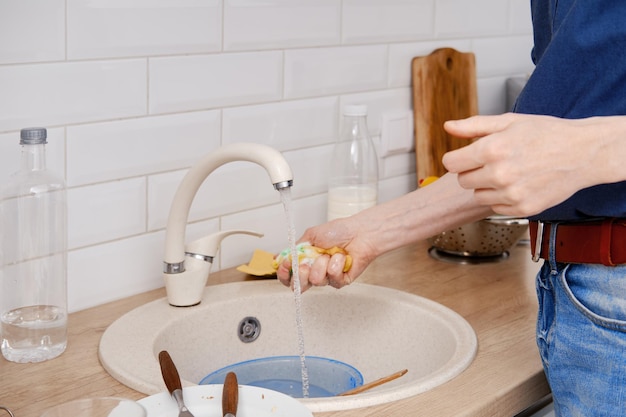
pixel 598 292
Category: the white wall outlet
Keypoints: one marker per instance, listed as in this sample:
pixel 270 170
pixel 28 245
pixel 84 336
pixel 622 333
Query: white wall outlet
pixel 396 133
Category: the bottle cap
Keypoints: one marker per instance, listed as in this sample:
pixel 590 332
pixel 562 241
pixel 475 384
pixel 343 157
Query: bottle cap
pixel 355 110
pixel 33 136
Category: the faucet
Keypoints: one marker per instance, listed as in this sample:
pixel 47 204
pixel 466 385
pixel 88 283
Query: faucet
pixel 186 268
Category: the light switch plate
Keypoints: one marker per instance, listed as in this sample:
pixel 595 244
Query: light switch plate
pixel 396 133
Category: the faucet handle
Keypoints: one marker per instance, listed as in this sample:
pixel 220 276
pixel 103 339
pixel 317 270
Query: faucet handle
pixel 207 247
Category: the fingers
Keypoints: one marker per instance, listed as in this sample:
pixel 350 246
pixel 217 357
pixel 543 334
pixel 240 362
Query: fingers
pixel 477 154
pixel 284 275
pixel 462 160
pixel 326 270
pixel 478 126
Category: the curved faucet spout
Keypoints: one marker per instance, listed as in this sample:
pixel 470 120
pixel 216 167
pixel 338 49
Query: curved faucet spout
pixel 185 277
pixel 269 158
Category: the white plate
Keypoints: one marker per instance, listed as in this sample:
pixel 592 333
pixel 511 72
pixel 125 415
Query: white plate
pixel 206 401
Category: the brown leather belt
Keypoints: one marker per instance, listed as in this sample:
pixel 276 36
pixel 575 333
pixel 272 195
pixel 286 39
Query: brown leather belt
pixel 590 242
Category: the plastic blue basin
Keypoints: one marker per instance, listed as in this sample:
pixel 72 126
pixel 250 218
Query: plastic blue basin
pixel 327 377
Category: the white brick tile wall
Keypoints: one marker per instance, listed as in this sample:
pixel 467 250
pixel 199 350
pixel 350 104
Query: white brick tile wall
pixel 62 93
pixel 377 21
pixel 134 92
pixel 126 28
pixel 107 211
pixel 208 81
pixel 462 18
pixel 32 31
pixel 284 125
pixel 325 71
pixel 279 24
pixel 120 149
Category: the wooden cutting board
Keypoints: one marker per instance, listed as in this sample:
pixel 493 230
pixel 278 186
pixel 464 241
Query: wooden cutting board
pixel 444 88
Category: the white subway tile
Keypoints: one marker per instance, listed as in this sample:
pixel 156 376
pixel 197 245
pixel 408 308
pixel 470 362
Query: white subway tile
pixel 499 56
pixel 397 165
pixel 401 56
pixel 112 150
pixel 161 189
pixel 122 28
pixel 471 18
pixel 71 92
pixel 250 24
pixel 201 82
pixel 310 169
pixel 285 125
pixel 492 95
pixel 10 150
pixel 379 21
pixel 520 17
pixel 325 71
pixel 32 31
pixel 114 270
pixel 108 211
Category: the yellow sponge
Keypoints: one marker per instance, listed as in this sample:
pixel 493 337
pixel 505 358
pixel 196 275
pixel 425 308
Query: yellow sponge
pixel 307 253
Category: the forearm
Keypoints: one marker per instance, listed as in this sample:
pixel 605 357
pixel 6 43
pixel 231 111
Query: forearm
pixel 418 215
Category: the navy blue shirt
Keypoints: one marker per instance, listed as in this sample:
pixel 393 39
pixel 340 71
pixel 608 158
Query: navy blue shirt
pixel 580 71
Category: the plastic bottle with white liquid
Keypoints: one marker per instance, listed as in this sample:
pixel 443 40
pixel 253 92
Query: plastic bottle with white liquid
pixel 33 257
pixel 353 173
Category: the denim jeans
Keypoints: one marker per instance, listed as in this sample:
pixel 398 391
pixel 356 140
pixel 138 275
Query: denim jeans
pixel 581 334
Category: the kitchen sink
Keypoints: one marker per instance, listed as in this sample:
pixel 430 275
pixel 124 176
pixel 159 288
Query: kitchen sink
pixel 377 330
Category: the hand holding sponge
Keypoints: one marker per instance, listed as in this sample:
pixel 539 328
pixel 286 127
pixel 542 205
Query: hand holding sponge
pixel 307 254
pixel 265 264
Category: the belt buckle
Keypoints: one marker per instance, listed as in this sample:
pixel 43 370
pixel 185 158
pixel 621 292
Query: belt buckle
pixel 538 242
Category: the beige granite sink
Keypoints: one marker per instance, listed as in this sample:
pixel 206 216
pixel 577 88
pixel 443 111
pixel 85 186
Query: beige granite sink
pixel 377 330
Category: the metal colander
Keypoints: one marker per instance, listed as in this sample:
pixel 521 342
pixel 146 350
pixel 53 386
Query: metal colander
pixel 492 236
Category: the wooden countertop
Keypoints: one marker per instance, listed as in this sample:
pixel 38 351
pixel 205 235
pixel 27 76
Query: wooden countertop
pixel 497 299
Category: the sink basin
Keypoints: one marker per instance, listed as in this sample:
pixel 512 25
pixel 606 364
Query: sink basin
pixel 377 330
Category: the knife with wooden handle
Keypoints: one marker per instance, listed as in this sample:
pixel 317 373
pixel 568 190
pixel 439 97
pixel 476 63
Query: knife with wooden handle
pixel 230 395
pixel 172 382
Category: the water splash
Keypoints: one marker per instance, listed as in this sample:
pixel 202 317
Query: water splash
pixel 285 197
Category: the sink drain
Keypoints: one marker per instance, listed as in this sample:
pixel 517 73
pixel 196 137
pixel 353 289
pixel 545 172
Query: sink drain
pixel 249 329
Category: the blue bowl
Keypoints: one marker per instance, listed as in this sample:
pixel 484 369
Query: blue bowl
pixel 327 377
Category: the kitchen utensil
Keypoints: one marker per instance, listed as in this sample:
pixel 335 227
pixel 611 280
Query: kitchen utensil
pixel 491 236
pixel 97 407
pixel 172 382
pixel 444 88
pixel 230 395
pixel 375 383
pixel 206 401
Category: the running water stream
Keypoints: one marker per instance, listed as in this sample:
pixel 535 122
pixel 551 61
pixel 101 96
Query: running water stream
pixel 285 197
